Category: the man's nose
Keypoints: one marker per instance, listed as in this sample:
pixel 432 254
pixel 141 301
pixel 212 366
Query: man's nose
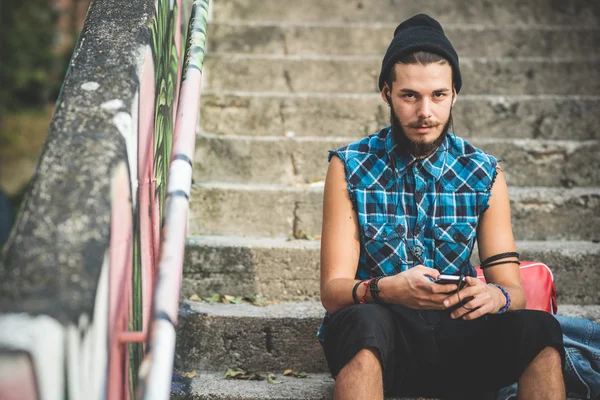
pixel 424 110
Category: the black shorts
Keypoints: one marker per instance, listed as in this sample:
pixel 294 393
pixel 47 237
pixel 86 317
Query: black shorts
pixel 426 353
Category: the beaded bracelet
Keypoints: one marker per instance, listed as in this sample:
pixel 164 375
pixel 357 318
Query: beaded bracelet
pixel 505 293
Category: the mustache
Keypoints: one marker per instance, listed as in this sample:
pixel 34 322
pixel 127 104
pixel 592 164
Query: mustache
pixel 423 123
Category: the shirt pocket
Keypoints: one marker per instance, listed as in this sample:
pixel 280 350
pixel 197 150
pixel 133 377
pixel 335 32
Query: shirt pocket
pixel 453 244
pixel 385 248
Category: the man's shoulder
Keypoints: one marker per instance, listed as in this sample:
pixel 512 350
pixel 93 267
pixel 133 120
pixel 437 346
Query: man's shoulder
pixel 468 166
pixel 370 145
pixel 462 149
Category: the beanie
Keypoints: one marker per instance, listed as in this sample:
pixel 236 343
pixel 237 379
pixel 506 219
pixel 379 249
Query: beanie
pixel 420 33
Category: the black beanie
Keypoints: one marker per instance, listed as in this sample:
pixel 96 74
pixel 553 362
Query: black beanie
pixel 420 33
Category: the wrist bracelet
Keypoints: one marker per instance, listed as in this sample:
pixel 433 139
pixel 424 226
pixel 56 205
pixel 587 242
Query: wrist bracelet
pixel 375 290
pixel 506 295
pixel 354 295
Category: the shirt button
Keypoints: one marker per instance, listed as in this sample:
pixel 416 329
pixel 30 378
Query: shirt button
pixel 456 237
pixel 384 235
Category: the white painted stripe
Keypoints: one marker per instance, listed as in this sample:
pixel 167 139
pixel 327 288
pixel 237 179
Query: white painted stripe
pixel 180 177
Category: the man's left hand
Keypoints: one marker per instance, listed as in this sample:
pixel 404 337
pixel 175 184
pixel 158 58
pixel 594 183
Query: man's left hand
pixel 478 299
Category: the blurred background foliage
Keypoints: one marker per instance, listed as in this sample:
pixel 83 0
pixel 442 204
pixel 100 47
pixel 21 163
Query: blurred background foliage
pixel 36 42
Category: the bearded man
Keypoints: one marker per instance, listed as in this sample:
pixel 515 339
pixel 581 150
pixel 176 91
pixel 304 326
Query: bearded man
pixel 402 207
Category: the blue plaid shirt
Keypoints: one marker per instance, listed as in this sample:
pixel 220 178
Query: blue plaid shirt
pixel 412 211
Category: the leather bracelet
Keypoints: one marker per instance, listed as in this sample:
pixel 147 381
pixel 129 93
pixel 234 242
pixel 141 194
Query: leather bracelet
pixel 374 289
pixel 497 257
pixel 354 295
pixel 505 293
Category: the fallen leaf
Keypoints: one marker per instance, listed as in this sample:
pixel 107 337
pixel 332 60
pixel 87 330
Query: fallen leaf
pixel 237 300
pixel 271 379
pixel 233 373
pixel 195 297
pixel 190 374
pixel 290 372
pixel 215 298
pixel 243 375
pixel 228 297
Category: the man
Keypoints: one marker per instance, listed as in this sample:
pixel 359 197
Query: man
pixel 403 206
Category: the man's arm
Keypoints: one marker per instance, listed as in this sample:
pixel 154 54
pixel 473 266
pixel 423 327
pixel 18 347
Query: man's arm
pixel 494 236
pixel 340 241
pixel 340 252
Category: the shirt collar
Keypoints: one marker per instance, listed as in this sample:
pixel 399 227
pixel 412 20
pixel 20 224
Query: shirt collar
pixel 403 160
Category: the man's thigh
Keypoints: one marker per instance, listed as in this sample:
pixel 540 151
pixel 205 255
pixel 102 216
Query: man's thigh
pixel 499 354
pixel 366 326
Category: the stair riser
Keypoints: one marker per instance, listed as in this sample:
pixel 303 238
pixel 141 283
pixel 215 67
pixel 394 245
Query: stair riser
pixel 510 12
pixel 257 344
pixel 292 274
pixel 358 40
pixel 287 161
pixel 361 76
pixel 540 118
pixel 536 215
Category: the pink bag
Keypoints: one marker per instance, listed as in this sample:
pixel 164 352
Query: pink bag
pixel 538 284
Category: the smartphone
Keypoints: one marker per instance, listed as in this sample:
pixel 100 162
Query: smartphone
pixel 458 280
pixel 448 279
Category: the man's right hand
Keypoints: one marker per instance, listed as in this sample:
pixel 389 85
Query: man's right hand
pixel 415 289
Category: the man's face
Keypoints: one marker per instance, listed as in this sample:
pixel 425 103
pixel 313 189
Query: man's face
pixel 421 98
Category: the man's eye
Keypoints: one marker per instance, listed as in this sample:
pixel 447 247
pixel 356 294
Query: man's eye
pixel 409 96
pixel 439 95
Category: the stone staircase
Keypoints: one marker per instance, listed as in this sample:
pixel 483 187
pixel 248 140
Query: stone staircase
pixel 285 81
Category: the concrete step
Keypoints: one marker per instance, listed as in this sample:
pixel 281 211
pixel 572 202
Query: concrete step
pixel 280 160
pixel 362 39
pixel 271 338
pixel 280 211
pixel 508 12
pixel 355 115
pixel 288 270
pixel 359 74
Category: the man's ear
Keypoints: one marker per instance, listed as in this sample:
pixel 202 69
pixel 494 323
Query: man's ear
pixel 385 94
pixel 454 97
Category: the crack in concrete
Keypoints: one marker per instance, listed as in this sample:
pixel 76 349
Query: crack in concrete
pixel 286 50
pixel 281 113
pixel 295 220
pixel 288 80
pixel 537 126
pixel 294 166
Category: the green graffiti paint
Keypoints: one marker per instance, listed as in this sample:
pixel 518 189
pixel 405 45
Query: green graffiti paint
pixel 194 51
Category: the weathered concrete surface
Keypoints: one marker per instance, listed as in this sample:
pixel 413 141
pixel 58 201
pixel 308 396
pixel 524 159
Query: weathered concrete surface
pixel 281 211
pixel 213 386
pixel 273 268
pixel 361 39
pixel 54 257
pixel 278 269
pixel 355 115
pixel 280 160
pixel 510 12
pixel 360 74
pixel 214 337
pixel 271 338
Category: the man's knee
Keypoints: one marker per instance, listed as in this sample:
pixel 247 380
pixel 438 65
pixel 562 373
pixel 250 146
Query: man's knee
pixel 366 361
pixel 549 357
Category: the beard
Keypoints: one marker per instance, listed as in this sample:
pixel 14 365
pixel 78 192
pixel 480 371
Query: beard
pixel 417 149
